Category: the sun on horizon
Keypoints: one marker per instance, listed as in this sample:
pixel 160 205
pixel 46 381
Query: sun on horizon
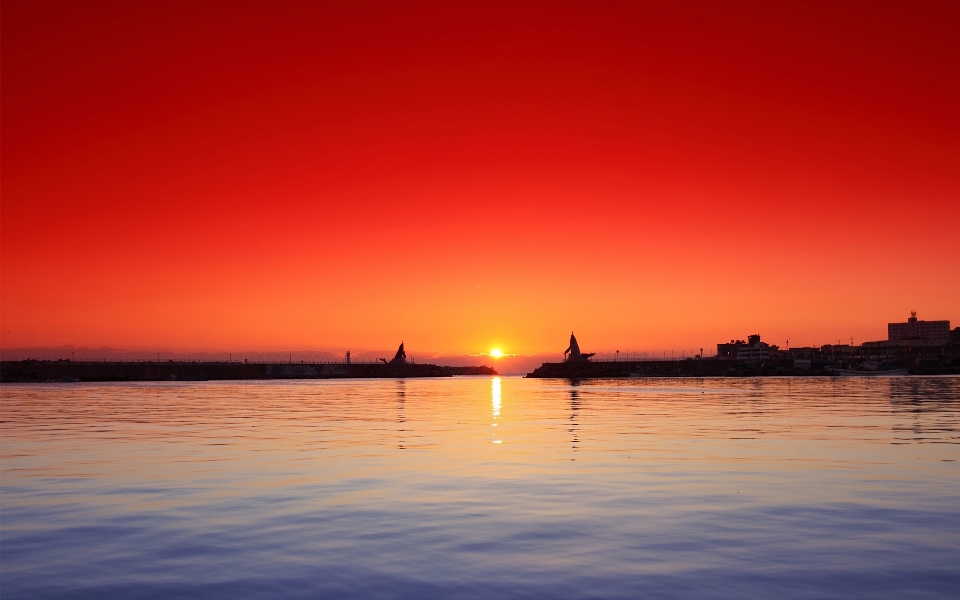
pixel 496 353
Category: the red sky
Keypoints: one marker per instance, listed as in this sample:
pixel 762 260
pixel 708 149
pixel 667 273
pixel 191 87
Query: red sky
pixel 460 176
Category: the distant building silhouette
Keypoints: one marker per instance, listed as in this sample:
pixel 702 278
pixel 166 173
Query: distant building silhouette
pixel 729 350
pixel 937 331
pixel 751 350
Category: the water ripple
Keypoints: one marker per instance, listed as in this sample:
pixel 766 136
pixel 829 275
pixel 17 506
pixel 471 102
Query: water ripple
pixel 713 488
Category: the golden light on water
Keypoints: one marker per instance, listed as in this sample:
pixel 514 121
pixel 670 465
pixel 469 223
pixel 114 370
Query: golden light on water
pixel 495 393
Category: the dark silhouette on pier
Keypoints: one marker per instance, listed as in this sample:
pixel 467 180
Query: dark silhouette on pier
pixel 574 352
pixel 400 358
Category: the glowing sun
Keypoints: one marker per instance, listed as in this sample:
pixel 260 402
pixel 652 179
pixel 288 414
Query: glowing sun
pixel 496 353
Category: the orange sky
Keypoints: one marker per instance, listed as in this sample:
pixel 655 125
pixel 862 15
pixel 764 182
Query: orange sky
pixel 251 176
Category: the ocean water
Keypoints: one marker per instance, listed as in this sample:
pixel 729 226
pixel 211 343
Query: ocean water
pixel 482 488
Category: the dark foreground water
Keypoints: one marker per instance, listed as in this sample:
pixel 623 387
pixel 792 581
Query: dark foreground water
pixel 482 488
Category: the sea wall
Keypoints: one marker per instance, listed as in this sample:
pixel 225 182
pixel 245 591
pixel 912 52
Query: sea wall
pixel 67 370
pixel 661 368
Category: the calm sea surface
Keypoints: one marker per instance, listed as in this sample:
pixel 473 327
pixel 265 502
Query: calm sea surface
pixel 482 488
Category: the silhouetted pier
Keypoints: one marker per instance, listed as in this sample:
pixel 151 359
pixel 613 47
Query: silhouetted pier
pixel 658 368
pixel 69 370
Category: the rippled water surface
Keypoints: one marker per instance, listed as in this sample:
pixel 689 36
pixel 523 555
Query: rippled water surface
pixel 482 488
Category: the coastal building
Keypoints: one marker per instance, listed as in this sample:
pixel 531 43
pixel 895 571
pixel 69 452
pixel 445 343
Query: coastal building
pixel 729 350
pixel 838 350
pixel 750 350
pixel 755 350
pixel 805 352
pixel 893 345
pixel 913 329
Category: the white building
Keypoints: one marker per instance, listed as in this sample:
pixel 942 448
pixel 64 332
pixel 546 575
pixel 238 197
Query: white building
pixel 755 350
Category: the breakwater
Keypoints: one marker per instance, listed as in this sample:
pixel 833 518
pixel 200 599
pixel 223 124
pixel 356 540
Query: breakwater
pixel 714 367
pixel 668 368
pixel 68 370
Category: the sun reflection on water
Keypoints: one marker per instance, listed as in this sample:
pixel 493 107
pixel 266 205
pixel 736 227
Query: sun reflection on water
pixel 495 394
